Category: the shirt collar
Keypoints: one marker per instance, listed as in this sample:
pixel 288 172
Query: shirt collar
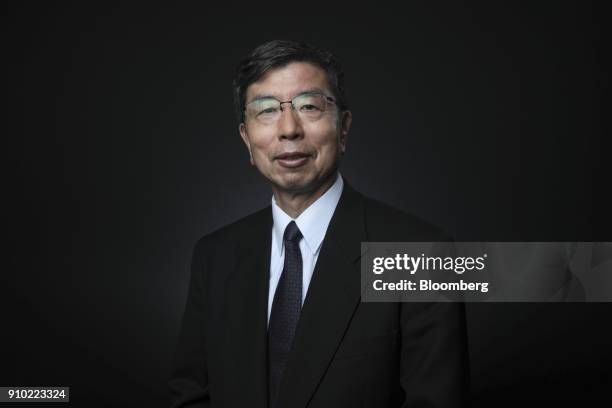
pixel 313 221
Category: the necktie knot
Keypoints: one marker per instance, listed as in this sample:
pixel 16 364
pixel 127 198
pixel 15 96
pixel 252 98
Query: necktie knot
pixel 292 233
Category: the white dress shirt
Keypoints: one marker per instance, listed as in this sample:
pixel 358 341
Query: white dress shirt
pixel 313 223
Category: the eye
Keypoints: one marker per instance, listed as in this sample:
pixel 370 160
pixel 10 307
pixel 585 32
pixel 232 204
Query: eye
pixel 267 111
pixel 309 108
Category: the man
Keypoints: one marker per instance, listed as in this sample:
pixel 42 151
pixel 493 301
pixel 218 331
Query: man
pixel 273 315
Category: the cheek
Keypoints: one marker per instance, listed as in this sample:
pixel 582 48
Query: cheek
pixel 260 148
pixel 328 150
pixel 329 137
pixel 326 139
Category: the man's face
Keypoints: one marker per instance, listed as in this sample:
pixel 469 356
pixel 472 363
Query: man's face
pixel 297 155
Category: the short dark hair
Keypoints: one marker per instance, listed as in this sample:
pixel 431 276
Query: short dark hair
pixel 278 53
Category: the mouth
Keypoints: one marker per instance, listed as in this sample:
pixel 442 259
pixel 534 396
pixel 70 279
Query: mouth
pixel 292 160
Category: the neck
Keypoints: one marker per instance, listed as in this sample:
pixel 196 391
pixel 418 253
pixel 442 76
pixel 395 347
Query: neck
pixel 295 203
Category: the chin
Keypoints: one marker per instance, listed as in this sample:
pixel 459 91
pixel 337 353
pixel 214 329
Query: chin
pixel 295 183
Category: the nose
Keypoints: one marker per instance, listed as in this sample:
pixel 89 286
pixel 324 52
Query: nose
pixel 289 124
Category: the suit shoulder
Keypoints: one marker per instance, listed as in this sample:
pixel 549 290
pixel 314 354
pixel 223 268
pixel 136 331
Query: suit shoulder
pixel 387 223
pixel 243 227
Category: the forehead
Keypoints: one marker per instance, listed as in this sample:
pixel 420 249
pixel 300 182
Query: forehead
pixel 287 81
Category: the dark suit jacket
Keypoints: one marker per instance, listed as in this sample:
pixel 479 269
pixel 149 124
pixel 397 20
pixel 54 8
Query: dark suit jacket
pixel 345 353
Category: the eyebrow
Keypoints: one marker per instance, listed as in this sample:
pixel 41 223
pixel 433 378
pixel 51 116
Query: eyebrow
pixel 306 91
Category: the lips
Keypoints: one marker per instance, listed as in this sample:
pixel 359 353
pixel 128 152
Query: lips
pixel 292 160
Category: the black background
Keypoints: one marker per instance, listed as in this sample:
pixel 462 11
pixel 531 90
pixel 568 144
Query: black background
pixel 121 149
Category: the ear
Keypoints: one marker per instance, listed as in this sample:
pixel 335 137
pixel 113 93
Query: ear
pixel 345 126
pixel 245 138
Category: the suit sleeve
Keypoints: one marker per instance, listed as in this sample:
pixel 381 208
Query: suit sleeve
pixel 434 368
pixel 189 387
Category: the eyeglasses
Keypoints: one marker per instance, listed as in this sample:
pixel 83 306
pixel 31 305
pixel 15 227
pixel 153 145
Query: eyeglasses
pixel 310 106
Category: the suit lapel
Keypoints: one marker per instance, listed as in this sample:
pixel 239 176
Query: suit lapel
pixel 246 311
pixel 332 297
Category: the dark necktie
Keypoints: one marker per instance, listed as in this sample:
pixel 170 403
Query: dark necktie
pixel 286 309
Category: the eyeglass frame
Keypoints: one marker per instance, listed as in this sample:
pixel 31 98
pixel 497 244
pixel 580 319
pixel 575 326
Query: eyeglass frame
pixel 327 98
